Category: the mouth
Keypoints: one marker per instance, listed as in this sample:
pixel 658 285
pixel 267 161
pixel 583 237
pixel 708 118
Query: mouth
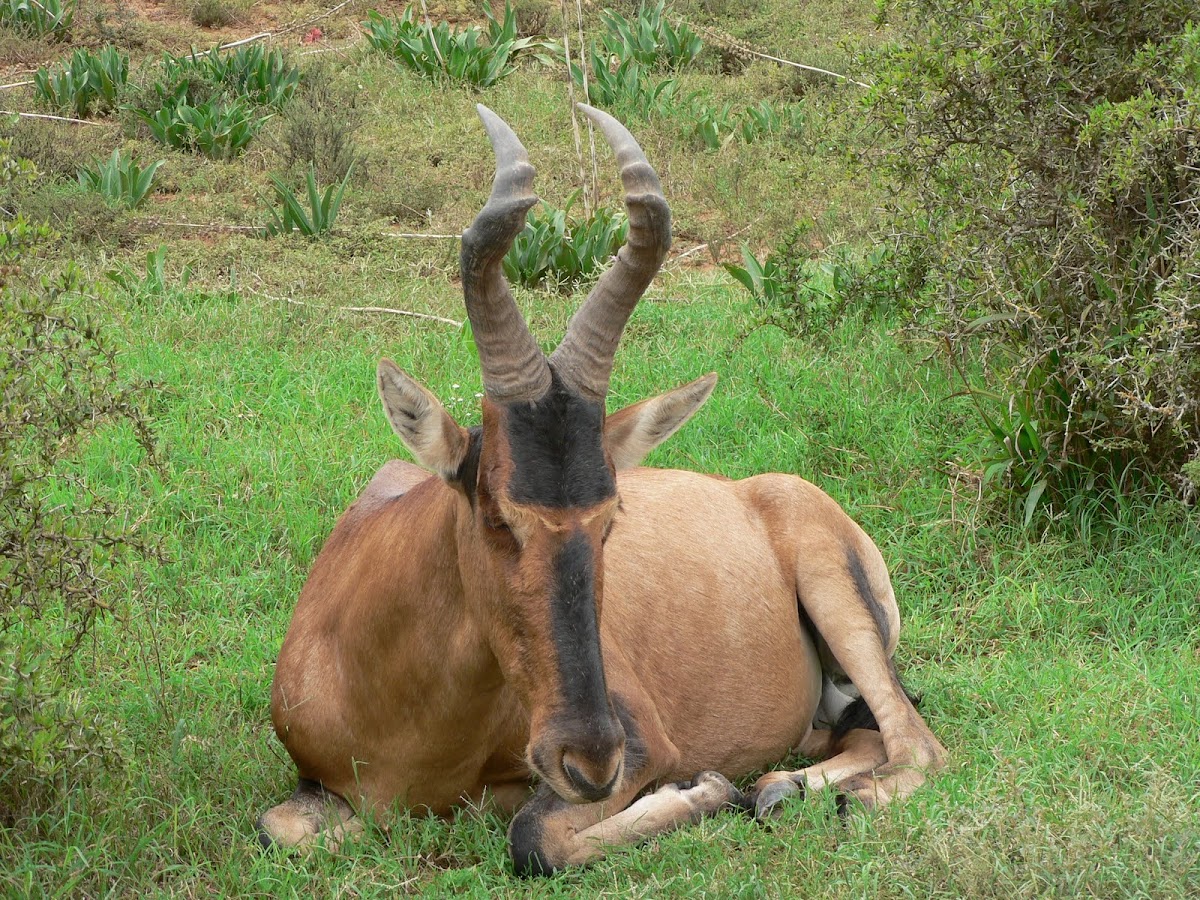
pixel 585 790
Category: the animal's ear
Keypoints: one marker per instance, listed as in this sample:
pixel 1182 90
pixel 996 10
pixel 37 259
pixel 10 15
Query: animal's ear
pixel 636 430
pixel 427 430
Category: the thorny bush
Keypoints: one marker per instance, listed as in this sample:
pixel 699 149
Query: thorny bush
pixel 1051 149
pixel 59 384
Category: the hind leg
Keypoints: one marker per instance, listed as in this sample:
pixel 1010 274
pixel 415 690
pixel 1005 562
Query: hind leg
pixel 311 816
pixel 845 591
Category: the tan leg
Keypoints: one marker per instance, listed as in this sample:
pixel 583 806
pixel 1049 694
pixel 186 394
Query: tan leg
pixel 849 600
pixel 311 817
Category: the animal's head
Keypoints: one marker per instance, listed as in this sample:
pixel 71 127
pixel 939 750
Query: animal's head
pixel 539 477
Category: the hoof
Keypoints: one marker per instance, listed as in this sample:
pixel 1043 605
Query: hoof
pixel 710 792
pixel 767 805
pixel 856 796
pixel 265 841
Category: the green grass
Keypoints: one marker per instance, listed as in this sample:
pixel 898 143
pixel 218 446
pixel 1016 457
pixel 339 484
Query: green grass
pixel 1061 674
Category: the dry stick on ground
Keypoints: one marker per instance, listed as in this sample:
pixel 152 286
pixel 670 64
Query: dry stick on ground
pixel 734 44
pixel 367 309
pixel 15 84
pixel 706 245
pixel 296 26
pixel 25 115
pixel 208 226
pixel 418 235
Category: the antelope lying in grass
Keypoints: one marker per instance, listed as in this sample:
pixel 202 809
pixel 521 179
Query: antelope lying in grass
pixel 541 610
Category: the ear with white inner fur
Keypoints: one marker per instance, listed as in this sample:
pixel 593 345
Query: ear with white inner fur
pixel 427 430
pixel 636 430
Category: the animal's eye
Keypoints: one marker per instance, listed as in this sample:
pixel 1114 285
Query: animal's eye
pixel 493 521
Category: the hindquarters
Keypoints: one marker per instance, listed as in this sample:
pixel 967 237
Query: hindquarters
pixel 846 602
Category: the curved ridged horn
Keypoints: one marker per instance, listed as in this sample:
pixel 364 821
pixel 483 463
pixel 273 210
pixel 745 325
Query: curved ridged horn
pixel 514 367
pixel 584 359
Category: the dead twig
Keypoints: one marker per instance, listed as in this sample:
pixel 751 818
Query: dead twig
pixel 25 115
pixel 737 46
pixel 208 226
pixel 368 309
pixel 296 26
pixel 418 235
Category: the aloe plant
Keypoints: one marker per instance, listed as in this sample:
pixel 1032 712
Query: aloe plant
pixel 151 284
pixel 649 38
pixel 217 129
pixel 629 88
pixel 322 209
pixel 555 245
pixel 438 51
pixel 120 180
pixel 767 282
pixel 87 80
pixel 38 18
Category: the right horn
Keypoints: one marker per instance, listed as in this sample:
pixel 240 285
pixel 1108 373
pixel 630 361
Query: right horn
pixel 584 359
pixel 514 367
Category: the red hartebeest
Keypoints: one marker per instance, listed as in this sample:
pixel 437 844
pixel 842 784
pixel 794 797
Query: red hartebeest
pixel 541 607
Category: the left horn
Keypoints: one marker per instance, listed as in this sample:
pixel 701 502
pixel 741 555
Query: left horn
pixel 584 359
pixel 514 367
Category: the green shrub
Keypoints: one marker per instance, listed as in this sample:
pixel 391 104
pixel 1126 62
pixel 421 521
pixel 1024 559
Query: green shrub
pixel 87 80
pixel 120 180
pixel 1052 153
pixel 554 245
pixel 213 14
pixel 322 209
pixel 38 18
pixel 650 39
pixel 438 51
pixel 806 293
pixel 317 128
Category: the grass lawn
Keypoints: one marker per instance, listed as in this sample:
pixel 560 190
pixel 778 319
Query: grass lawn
pixel 1062 674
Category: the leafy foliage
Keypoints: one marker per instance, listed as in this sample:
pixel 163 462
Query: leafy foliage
pixel 554 245
pixel 322 209
pixel 439 51
pixel 87 80
pixel 120 180
pixel 1053 153
pixel 808 294
pixel 38 18
pixel 650 39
